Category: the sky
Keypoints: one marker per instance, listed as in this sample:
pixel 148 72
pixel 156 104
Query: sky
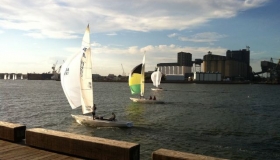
pixel 35 35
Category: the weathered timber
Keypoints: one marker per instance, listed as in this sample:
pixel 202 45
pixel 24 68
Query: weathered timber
pixel 165 154
pixel 9 150
pixel 12 131
pixel 82 146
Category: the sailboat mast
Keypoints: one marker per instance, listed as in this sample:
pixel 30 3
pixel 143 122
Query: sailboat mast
pixel 86 74
pixel 143 77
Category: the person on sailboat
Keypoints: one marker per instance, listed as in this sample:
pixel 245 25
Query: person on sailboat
pixel 150 98
pixel 93 112
pixel 154 98
pixel 113 117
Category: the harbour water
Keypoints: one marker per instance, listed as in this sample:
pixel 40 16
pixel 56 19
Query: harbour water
pixel 225 121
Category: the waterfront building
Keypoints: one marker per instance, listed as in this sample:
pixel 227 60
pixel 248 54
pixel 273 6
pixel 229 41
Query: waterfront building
pixel 234 64
pixel 184 59
pixel 239 60
pixel 179 70
pixel 239 55
pixel 202 76
pixel 10 75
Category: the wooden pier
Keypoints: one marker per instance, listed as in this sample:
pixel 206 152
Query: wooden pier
pixel 10 150
pixel 17 143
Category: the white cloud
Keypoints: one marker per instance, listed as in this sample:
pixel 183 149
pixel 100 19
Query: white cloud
pixel 253 3
pixel 111 34
pixel 95 44
pixel 63 19
pixel 132 50
pixel 106 59
pixel 203 37
pixel 155 54
pixel 172 35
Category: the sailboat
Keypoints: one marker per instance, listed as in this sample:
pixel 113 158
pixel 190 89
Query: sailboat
pixel 156 78
pixel 136 83
pixel 76 81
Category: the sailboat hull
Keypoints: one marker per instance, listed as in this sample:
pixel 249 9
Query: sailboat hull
pixel 87 120
pixel 144 100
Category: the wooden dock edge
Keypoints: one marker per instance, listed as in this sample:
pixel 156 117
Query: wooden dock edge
pixel 165 154
pixel 86 146
pixel 12 132
pixel 82 146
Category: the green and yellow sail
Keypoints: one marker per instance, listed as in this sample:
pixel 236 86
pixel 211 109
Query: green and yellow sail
pixel 137 79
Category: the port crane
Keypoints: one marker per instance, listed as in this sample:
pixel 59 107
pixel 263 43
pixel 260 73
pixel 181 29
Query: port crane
pixel 56 72
pixel 53 67
pixel 123 74
pixel 275 71
pixel 271 68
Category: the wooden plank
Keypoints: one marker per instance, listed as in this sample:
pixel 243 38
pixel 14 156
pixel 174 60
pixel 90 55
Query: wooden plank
pixel 26 153
pixel 12 131
pixel 13 153
pixel 53 157
pixel 46 156
pixel 9 150
pixel 82 146
pixel 3 143
pixel 165 154
pixel 39 155
pixel 11 147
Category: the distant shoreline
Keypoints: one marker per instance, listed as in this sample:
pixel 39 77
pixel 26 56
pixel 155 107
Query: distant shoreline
pixel 198 82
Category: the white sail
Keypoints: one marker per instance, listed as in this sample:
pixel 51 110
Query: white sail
pixel 143 76
pixel 21 77
pixel 86 75
pixel 70 80
pixel 156 78
pixel 153 77
pixel 15 76
pixel 75 79
pixel 5 76
pixel 8 76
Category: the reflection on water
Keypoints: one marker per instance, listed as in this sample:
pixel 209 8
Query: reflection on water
pixel 226 121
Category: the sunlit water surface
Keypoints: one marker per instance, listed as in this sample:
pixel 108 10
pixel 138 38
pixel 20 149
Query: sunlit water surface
pixel 225 121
